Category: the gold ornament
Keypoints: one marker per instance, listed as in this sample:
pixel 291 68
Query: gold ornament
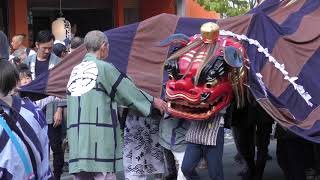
pixel 210 32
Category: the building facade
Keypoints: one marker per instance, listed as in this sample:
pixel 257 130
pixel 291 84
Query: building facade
pixel 30 16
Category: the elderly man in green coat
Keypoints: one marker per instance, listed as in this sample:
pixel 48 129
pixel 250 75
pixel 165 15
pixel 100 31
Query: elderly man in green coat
pixel 95 90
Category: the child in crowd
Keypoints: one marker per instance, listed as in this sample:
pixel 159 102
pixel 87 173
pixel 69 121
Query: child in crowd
pixel 25 74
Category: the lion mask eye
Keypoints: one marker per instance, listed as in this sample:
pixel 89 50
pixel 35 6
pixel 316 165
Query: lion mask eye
pixel 212 70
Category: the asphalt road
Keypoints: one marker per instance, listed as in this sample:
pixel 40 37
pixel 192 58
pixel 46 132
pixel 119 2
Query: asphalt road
pixel 272 171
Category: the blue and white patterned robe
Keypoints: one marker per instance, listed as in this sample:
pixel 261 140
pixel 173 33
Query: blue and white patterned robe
pixel 34 128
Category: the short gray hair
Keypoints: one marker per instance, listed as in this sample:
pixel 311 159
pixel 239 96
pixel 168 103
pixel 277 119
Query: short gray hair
pixel 19 52
pixel 94 39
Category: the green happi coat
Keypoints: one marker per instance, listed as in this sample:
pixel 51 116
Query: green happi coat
pixel 95 90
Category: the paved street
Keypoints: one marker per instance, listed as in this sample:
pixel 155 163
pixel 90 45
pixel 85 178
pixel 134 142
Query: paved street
pixel 272 171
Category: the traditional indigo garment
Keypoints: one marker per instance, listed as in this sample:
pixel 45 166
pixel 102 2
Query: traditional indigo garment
pixel 34 128
pixel 143 155
pixel 95 90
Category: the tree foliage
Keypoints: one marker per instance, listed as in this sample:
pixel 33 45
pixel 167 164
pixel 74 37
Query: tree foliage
pixel 228 8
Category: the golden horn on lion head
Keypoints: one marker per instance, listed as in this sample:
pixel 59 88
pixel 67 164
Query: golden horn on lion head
pixel 209 32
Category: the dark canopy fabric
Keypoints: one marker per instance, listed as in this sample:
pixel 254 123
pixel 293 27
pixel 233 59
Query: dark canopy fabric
pixel 289 31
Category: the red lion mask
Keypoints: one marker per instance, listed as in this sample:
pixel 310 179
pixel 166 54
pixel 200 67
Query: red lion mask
pixel 203 74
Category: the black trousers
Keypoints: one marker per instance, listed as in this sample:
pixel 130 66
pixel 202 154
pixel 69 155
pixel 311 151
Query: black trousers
pixel 294 156
pixel 252 135
pixel 55 142
pixel 316 149
pixel 170 163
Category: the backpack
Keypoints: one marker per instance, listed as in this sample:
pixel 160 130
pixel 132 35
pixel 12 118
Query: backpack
pixel 28 51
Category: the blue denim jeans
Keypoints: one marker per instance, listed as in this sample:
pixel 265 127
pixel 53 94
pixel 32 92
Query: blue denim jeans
pixel 213 154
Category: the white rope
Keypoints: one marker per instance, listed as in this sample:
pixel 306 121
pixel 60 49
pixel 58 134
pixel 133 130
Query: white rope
pixel 281 67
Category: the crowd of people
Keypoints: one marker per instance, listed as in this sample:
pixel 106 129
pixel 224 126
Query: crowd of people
pixel 113 126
